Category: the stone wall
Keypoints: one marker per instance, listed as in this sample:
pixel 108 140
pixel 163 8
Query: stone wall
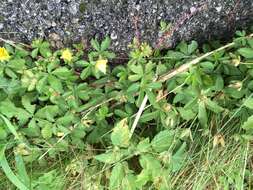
pixel 64 21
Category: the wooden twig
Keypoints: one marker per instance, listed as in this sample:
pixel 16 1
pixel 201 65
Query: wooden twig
pixel 12 43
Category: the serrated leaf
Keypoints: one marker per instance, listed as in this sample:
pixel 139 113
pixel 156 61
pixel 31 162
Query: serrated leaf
pixel 192 47
pixel 163 140
pixel 134 78
pixel 55 83
pixel 246 52
pixel 213 106
pixel 143 146
pixel 47 112
pixel 249 103
pixel 62 72
pixel 248 125
pixel 105 44
pixel 117 176
pixel 137 69
pixel 26 102
pixel 47 132
pixel 186 114
pixel 95 44
pixel 121 134
pixel 133 88
pixel 109 157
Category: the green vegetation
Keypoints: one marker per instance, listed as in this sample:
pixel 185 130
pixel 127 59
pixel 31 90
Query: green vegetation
pixel 180 119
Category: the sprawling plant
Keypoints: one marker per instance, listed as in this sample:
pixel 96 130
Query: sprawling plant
pixel 53 102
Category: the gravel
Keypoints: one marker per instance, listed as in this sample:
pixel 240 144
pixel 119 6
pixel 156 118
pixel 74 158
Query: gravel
pixel 67 21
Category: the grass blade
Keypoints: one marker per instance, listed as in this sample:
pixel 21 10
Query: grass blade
pixel 8 172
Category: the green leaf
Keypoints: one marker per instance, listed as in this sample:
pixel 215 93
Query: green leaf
pixel 3 133
pixel 109 157
pixel 34 53
pixel 202 115
pixel 249 103
pixel 155 85
pixel 47 132
pixel 17 64
pixel 137 69
pixel 47 112
pixel 149 116
pixel 55 83
pixel 248 125
pixel 207 66
pixel 8 172
pixel 11 128
pixel 246 52
pixel 85 73
pixel 62 73
pixel 22 173
pixel 175 55
pixel 128 182
pixel 213 106
pixel 26 102
pixel 117 176
pixel 133 88
pixel 186 114
pixel 95 44
pixel 105 44
pixel 192 47
pixel 134 78
pixel 143 146
pixel 121 134
pixel 163 140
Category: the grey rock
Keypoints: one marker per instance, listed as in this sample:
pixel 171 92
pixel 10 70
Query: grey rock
pixel 66 21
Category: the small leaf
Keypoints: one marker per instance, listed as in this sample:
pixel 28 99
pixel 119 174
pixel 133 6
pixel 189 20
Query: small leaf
pixel 249 103
pixel 133 88
pixel 186 114
pixel 246 52
pixel 213 106
pixel 109 157
pixel 163 140
pixel 137 69
pixel 248 125
pixel 117 176
pixel 143 146
pixel 26 102
pixel 62 72
pixel 95 44
pixel 105 44
pixel 47 132
pixel 202 115
pixel 121 134
pixel 192 47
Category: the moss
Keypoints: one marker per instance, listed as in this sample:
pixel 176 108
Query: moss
pixel 82 7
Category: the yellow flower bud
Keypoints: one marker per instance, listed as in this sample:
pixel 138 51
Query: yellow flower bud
pixel 101 65
pixel 66 55
pixel 4 55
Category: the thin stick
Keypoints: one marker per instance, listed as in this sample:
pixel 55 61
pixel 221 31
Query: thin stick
pixel 14 43
pixel 186 66
pixel 138 115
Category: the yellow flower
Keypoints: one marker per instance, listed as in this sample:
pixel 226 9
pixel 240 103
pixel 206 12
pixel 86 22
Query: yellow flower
pixel 66 55
pixel 4 55
pixel 101 65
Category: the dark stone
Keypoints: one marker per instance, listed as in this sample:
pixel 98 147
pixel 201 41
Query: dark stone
pixel 122 20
